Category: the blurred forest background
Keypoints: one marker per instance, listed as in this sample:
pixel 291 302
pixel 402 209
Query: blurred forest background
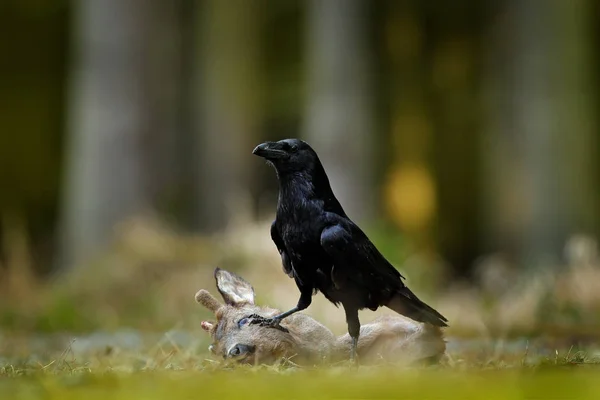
pixel 462 135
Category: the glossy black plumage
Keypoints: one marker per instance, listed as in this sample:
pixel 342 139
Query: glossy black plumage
pixel 323 250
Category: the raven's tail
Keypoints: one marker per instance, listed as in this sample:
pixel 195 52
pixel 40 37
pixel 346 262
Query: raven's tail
pixel 406 303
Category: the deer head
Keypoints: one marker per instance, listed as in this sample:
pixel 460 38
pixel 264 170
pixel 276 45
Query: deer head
pixel 234 338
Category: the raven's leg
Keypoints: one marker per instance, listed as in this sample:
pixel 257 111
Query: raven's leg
pixel 353 329
pixel 273 322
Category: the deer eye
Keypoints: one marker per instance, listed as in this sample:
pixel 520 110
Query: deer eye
pixel 243 322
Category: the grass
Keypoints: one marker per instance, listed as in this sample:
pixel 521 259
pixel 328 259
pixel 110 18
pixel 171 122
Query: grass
pixel 202 380
pixel 311 385
pixel 147 282
pixel 164 370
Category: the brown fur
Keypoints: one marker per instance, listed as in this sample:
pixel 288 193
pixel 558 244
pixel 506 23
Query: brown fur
pixel 388 339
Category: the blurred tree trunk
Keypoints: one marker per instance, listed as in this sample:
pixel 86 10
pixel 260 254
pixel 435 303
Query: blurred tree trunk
pixel 541 142
pixel 32 122
pixel 454 106
pixel 108 116
pixel 167 152
pixel 227 94
pixel 338 111
pixel 410 190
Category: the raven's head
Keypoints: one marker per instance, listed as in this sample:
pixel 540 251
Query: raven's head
pixel 288 155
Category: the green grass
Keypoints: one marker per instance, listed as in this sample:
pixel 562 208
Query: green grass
pixel 164 371
pixel 153 291
pixel 339 383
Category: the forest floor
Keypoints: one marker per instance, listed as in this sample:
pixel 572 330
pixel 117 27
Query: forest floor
pixel 176 365
pixel 127 327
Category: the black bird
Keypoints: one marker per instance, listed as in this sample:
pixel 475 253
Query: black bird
pixel 323 250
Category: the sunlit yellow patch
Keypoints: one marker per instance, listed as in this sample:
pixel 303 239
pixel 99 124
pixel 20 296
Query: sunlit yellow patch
pixel 410 197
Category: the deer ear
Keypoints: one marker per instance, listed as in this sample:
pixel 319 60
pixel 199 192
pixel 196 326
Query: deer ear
pixel 207 326
pixel 234 289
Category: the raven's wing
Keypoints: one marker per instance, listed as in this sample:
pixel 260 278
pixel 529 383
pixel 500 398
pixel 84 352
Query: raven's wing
pixel 357 261
pixel 285 259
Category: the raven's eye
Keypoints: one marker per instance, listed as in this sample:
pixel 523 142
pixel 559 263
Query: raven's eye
pixel 293 148
pixel 242 322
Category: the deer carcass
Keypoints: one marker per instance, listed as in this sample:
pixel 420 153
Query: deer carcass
pixel 304 340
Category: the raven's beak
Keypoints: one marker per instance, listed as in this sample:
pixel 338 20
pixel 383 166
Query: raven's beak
pixel 261 149
pixel 269 151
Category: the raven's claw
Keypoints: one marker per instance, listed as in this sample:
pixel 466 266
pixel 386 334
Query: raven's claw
pixel 256 319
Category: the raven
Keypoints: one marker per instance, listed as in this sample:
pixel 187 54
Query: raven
pixel 323 250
